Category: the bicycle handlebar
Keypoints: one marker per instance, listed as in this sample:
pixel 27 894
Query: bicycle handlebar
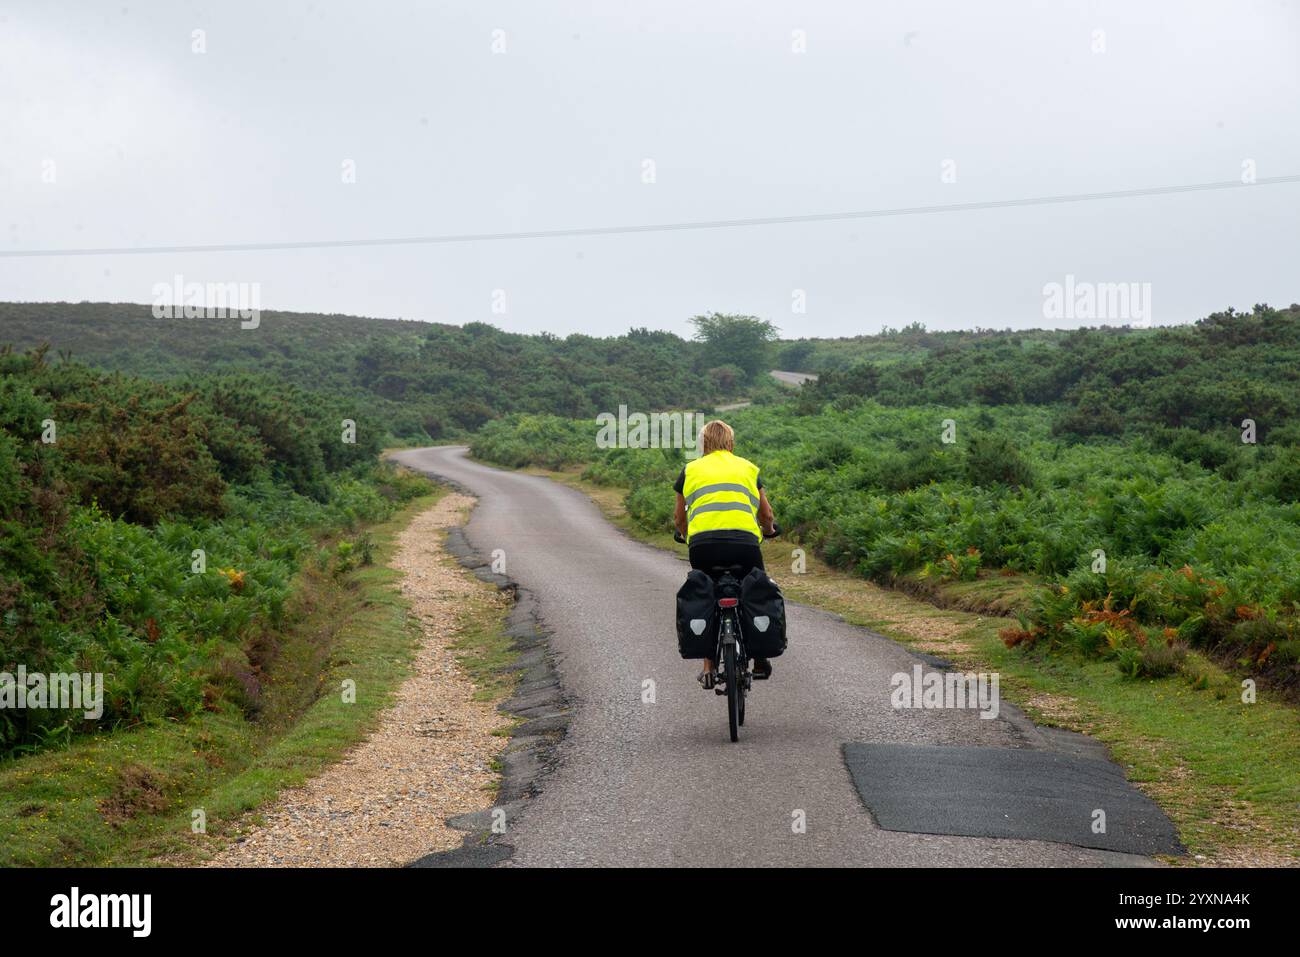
pixel 776 530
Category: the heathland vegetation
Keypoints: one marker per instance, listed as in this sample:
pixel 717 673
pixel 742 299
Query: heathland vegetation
pixel 1145 483
pixel 413 382
pixel 150 532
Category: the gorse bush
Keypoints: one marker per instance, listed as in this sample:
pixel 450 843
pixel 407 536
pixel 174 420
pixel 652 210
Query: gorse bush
pixel 544 440
pixel 994 460
pixel 143 464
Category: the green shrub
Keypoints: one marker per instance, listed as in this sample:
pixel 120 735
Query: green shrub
pixel 1280 478
pixel 1155 659
pixel 994 459
pixel 99 533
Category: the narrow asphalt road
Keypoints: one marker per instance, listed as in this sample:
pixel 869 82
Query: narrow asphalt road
pixel 659 783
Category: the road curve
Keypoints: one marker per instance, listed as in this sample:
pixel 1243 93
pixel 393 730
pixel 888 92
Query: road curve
pixel 793 378
pixel 645 784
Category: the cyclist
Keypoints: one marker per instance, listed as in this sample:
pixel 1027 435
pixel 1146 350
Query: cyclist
pixel 723 513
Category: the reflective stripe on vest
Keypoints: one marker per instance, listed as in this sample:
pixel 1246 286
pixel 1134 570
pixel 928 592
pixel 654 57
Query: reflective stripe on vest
pixel 721 493
pixel 720 487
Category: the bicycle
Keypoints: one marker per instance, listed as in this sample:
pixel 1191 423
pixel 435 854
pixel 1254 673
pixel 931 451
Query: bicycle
pixel 733 676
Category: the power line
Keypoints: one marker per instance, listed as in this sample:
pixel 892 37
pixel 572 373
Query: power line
pixel 650 228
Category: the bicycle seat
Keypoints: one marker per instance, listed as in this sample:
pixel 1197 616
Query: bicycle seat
pixel 727 577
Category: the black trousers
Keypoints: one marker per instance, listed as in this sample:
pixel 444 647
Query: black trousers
pixel 708 555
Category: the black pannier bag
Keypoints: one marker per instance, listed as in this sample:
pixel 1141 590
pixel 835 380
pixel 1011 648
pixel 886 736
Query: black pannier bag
pixel 762 615
pixel 697 616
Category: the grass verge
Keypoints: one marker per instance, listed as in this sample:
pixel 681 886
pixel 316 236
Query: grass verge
pixel 1227 773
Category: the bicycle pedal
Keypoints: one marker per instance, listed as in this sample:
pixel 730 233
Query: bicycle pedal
pixel 720 688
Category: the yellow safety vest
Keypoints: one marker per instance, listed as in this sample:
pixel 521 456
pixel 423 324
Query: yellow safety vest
pixel 721 493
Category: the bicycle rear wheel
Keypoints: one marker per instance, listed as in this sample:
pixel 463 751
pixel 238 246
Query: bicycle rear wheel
pixel 735 693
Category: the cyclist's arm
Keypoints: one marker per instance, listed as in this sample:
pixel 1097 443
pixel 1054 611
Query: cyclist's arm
pixel 679 516
pixel 766 517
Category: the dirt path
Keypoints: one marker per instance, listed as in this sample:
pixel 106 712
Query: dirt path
pixel 429 758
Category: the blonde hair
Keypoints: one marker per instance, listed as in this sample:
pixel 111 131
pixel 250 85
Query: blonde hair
pixel 717 435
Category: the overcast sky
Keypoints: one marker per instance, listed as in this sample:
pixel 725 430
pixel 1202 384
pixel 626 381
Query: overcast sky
pixel 151 143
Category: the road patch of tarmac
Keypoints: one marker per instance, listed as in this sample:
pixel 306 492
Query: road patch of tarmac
pixel 1033 793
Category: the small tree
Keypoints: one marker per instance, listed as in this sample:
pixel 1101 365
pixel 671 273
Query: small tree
pixel 743 341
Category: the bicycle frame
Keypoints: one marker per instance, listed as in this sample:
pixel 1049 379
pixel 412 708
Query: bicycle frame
pixel 730 658
pixel 729 633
